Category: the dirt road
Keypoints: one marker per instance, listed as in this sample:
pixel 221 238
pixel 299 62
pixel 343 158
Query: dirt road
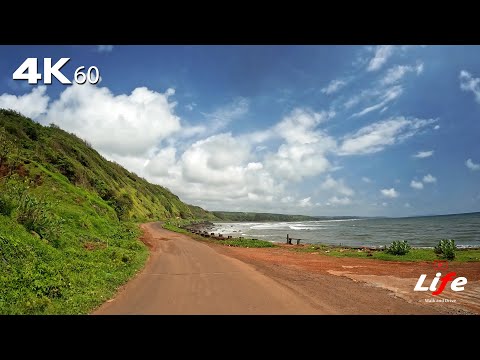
pixel 185 276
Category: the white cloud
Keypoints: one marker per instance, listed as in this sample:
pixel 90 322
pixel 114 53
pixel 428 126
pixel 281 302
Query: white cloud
pixel 227 113
pixel 287 199
pixel 419 68
pixel 416 184
pixel 218 159
pixel 407 205
pixel 471 165
pixel 375 137
pixel 340 201
pixel 388 96
pixel 469 83
pixel 397 72
pixel 252 170
pixel 162 162
pixel 191 106
pixel 424 154
pixel 305 202
pixel 336 186
pixel 104 48
pixel 115 124
pixel 382 54
pixel 384 204
pixel 428 179
pixel 334 86
pixel 390 193
pixel 366 179
pixel 304 151
pixel 31 104
pixel 436 127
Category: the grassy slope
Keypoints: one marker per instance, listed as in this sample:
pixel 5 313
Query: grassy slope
pixel 68 220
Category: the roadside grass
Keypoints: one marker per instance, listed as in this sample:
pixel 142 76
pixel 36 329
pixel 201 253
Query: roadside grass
pixel 237 242
pixel 37 278
pixel 248 243
pixel 415 254
pixel 175 228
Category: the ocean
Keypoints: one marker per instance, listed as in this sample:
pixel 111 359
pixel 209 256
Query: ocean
pixel 424 231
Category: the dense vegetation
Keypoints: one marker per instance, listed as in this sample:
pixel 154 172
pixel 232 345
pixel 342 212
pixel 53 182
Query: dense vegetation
pixel 251 216
pixel 69 220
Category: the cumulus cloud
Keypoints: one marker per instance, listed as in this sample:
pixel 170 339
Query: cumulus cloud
pixel 304 151
pixel 115 124
pixel 218 159
pixel 470 83
pixel 31 104
pixel 416 184
pixel 381 54
pixel 334 86
pixel 252 170
pixel 375 137
pixel 104 48
pixel 305 202
pixel 390 193
pixel 336 186
pixel 339 201
pixel 471 165
pixel 424 154
pixel 429 178
pixel 162 162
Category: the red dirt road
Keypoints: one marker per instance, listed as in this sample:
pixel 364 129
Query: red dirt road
pixel 185 276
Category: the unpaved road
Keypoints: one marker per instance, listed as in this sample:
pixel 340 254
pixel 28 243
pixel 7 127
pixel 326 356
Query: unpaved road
pixel 185 276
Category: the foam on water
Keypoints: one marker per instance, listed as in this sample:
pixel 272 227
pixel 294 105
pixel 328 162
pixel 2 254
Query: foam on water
pixel 418 231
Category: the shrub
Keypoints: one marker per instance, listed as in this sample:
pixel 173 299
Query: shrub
pixel 446 248
pixel 35 216
pixel 6 205
pixel 122 205
pixel 399 248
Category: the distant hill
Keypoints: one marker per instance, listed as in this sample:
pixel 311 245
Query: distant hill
pixel 252 216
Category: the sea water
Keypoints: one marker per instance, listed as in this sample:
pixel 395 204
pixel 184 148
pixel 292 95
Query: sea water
pixel 424 231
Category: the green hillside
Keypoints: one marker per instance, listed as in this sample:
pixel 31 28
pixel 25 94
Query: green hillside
pixel 69 220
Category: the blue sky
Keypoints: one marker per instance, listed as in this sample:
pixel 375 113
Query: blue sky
pixel 320 130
